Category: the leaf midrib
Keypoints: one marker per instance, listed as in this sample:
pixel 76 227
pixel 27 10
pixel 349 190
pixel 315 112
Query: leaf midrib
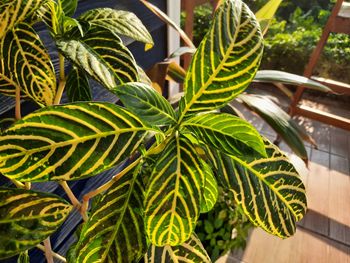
pixel 74 141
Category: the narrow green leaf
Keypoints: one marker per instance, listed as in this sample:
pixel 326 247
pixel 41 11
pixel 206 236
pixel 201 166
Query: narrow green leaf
pixel 69 6
pixel 288 78
pixel 146 103
pixel 269 190
pixel 27 218
pixel 209 189
pixel 102 55
pixel 23 257
pixel 115 230
pixel 173 194
pixel 226 133
pixel 190 251
pixel 226 60
pixel 119 22
pixel 279 120
pixel 268 11
pixel 13 12
pixel 69 142
pixel 26 64
pixel 77 86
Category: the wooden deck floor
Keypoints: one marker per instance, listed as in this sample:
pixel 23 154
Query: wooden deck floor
pixel 323 236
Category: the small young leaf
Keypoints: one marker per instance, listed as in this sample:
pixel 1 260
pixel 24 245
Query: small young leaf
pixel 226 133
pixel 27 218
pixel 77 86
pixel 23 257
pixel 69 6
pixel 190 251
pixel 146 103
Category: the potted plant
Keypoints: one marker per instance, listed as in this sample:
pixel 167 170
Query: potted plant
pixel 175 158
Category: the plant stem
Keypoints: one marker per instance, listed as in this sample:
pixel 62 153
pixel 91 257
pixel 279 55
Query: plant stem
pixel 75 202
pixel 106 186
pixel 18 115
pixel 18 184
pixel 62 81
pixel 55 255
pixel 48 250
pixel 28 185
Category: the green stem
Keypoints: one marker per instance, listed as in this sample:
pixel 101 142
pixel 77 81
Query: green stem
pixel 62 81
pixel 18 103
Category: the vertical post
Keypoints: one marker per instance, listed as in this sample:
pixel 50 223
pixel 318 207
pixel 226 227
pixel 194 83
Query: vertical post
pixel 174 12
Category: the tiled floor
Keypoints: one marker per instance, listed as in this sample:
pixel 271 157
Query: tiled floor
pixel 323 236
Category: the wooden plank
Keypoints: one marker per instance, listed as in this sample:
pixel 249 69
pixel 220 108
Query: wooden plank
pixel 317 193
pixel 339 197
pixel 339 142
pixel 322 116
pixel 336 86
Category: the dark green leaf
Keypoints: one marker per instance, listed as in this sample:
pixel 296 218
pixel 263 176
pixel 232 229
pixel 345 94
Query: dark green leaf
pixel 69 6
pixel 146 103
pixel 102 55
pixel 279 120
pixel 77 86
pixel 27 218
pixel 119 22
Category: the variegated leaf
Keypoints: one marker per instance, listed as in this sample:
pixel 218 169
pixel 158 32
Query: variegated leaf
pixel 269 190
pixel 226 133
pixel 120 22
pixel 27 218
pixel 226 60
pixel 190 251
pixel 173 194
pixel 69 142
pixel 102 55
pixel 77 86
pixel 209 189
pixel 26 64
pixel 115 230
pixel 146 103
pixel 13 12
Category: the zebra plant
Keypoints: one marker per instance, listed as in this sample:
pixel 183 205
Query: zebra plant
pixel 173 159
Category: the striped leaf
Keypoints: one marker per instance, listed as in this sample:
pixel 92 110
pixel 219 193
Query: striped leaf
pixel 102 55
pixel 226 60
pixel 69 6
pixel 69 142
pixel 27 218
pixel 77 86
pixel 209 189
pixel 147 103
pixel 13 12
pixel 119 22
pixel 115 230
pixel 25 63
pixel 173 194
pixel 52 15
pixel 190 251
pixel 269 190
pixel 226 133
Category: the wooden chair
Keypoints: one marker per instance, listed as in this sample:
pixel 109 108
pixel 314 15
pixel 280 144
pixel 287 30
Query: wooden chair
pixel 338 22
